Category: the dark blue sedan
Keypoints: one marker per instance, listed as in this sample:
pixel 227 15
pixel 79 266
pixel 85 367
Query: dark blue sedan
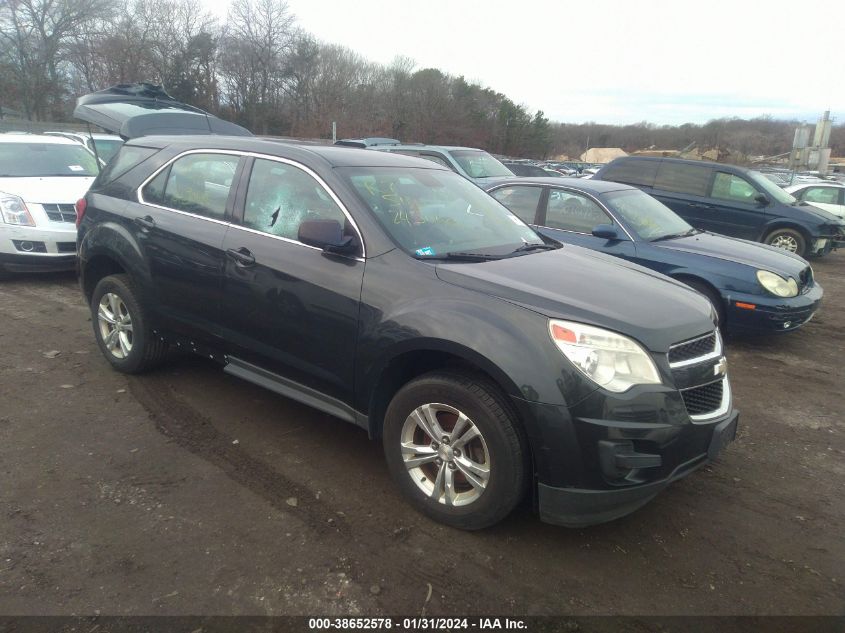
pixel 753 287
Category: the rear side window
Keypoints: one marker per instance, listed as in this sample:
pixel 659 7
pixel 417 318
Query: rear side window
pixel 632 172
pixel 197 183
pixel 126 158
pixel 680 178
pixel 732 187
pixel 521 200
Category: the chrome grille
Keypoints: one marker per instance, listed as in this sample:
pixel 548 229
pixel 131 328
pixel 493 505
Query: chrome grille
pixel 693 349
pixel 705 399
pixel 60 212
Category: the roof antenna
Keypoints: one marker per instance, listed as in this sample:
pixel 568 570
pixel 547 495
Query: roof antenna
pixel 94 145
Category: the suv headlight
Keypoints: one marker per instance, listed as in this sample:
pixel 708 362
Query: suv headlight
pixel 13 210
pixel 777 285
pixel 611 360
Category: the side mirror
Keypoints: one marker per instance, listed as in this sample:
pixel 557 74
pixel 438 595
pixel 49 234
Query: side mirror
pixel 762 199
pixel 606 232
pixel 325 234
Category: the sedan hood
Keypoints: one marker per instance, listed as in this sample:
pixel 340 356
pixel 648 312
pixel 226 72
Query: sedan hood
pixel 133 110
pixel 589 287
pixel 753 254
pixel 36 190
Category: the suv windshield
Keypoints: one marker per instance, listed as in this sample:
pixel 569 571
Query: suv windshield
pixel 771 189
pixel 434 213
pixel 478 164
pixel 45 159
pixel 652 220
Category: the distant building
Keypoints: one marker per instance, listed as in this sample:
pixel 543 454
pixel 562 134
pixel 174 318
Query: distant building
pixel 602 154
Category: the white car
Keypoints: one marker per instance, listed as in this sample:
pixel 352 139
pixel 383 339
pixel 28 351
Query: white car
pixel 106 145
pixel 41 178
pixel 826 195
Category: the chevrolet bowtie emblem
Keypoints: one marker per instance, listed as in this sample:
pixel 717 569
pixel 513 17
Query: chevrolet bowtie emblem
pixel 721 368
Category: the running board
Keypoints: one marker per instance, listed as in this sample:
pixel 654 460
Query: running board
pixel 294 391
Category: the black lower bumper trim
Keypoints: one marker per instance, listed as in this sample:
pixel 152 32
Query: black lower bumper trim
pixel 36 264
pixel 578 507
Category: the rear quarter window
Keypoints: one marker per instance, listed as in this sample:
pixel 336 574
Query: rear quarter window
pixel 126 158
pixel 632 172
pixel 680 178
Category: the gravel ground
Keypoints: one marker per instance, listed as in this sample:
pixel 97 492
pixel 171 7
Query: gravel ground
pixel 189 492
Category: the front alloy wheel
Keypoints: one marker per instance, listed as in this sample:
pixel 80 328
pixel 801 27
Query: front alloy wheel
pixel 445 454
pixel 456 449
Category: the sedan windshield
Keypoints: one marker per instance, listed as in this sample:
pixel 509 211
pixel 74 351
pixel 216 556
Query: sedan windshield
pixel 771 189
pixel 437 214
pixel 20 160
pixel 478 164
pixel 652 220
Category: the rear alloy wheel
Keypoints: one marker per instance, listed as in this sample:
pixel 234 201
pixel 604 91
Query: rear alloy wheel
pixel 787 239
pixel 455 449
pixel 122 328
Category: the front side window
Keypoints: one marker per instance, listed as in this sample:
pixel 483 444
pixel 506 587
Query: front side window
pixel 478 164
pixel 521 200
pixel 433 213
pixel 44 160
pixel 573 212
pixel 732 187
pixel 824 195
pixel 196 183
pixel 280 197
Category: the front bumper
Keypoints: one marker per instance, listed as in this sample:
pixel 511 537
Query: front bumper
pixel 26 249
pixel 576 507
pixel 41 263
pixel 771 314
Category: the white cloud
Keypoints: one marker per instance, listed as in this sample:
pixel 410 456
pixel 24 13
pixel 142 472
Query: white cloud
pixel 613 60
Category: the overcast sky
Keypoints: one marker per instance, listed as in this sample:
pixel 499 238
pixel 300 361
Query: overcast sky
pixel 611 61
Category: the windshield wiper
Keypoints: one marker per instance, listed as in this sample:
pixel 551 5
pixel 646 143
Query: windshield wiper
pixel 673 236
pixel 476 257
pixel 535 247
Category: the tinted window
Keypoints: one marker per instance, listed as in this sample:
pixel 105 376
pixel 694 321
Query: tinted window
pixel 733 188
pixel 574 212
pixel 46 159
pixel 521 200
pixel 106 148
pixel 197 183
pixel 631 172
pixel 280 197
pixel 682 178
pixel 436 159
pixel 128 158
pixel 825 195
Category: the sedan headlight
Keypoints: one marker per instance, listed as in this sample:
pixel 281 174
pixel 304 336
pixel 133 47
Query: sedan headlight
pixel 611 360
pixel 13 210
pixel 777 285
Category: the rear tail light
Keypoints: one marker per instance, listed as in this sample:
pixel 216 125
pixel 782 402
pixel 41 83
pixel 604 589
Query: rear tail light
pixel 81 205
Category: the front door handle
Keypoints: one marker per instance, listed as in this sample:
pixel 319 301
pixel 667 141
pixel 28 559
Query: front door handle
pixel 146 222
pixel 242 256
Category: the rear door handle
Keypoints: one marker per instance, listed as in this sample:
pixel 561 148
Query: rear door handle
pixel 146 222
pixel 242 256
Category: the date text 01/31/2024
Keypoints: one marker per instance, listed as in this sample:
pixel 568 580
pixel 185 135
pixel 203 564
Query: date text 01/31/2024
pixel 415 624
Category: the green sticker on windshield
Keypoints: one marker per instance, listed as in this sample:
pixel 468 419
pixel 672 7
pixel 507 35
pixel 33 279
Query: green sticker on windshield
pixel 426 251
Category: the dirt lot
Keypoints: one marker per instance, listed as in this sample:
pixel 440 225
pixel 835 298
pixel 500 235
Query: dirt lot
pixel 190 492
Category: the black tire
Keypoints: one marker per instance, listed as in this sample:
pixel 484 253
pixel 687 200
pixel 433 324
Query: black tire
pixel 488 410
pixel 787 236
pixel 713 296
pixel 147 350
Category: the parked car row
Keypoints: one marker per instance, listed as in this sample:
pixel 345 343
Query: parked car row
pixel 555 339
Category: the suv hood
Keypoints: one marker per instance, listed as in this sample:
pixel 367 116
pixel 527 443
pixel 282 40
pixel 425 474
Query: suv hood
pixel 588 287
pixel 133 110
pixel 39 189
pixel 752 254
